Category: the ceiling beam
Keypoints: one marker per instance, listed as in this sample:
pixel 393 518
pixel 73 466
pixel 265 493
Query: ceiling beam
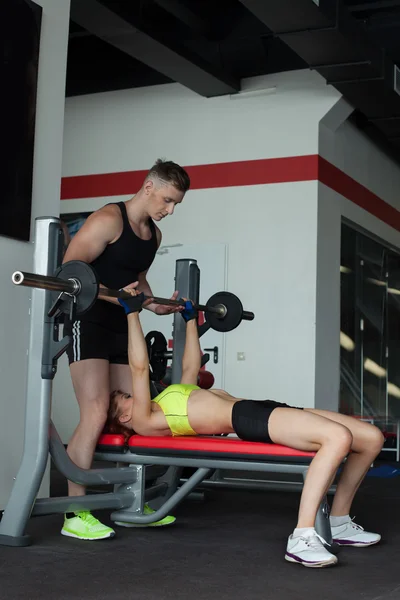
pixel 382 20
pixel 186 16
pixel 189 70
pixel 376 5
pixel 297 15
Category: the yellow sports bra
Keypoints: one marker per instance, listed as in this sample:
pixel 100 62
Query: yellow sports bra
pixel 173 402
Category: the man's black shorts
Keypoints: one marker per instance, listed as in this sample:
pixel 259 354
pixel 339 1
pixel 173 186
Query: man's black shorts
pixel 91 340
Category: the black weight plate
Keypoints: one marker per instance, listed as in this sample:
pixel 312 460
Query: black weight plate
pixel 234 311
pixel 84 273
pixel 167 377
pixel 156 348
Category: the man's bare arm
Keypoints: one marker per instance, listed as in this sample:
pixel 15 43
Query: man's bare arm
pixel 100 229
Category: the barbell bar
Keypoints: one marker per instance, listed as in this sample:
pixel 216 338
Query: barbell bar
pixel 224 311
pixel 72 286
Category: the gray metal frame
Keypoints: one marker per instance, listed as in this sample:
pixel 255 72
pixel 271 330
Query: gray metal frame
pixel 40 434
pixel 204 467
pixel 220 480
pixel 187 281
pixel 35 452
pixel 41 437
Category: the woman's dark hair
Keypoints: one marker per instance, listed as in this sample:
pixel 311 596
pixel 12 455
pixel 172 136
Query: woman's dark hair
pixel 113 424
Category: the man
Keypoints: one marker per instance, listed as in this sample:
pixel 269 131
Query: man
pixel 120 241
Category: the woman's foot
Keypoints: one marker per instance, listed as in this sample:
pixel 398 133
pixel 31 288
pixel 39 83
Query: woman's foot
pixel 347 533
pixel 307 548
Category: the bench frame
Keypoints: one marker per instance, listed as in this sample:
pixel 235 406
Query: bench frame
pixel 173 489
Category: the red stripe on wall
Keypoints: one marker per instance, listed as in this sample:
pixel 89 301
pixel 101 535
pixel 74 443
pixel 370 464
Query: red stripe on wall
pixel 348 187
pixel 233 174
pixel 254 172
pixel 107 184
pixel 247 172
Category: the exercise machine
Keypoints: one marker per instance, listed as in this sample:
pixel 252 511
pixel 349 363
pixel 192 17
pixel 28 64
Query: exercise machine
pixel 76 288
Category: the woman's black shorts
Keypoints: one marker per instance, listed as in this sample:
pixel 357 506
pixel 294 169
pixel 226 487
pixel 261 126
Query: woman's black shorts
pixel 250 419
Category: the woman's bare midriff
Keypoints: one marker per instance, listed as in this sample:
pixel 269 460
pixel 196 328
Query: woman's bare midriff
pixel 210 411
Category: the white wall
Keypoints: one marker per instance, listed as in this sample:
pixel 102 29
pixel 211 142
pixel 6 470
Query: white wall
pixel 346 147
pixel 349 149
pixel 14 318
pixel 327 299
pixel 124 130
pixel 127 130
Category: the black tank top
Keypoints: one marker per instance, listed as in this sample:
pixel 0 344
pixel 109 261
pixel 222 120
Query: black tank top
pixel 120 264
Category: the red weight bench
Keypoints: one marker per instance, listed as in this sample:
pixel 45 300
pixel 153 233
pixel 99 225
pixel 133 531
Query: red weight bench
pixel 214 447
pixel 112 443
pixel 205 454
pixel 199 446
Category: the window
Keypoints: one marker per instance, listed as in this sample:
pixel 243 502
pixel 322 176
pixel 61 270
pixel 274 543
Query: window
pixel 370 327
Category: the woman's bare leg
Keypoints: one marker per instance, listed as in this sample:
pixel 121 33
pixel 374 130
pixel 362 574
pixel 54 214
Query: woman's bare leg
pixel 311 432
pixel 367 444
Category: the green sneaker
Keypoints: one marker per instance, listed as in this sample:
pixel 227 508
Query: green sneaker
pixel 85 526
pixel 168 520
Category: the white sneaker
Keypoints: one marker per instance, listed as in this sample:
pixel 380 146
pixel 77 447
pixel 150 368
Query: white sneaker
pixel 309 550
pixel 351 534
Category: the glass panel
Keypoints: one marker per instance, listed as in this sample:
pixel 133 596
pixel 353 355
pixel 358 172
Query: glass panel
pixel 394 336
pixel 370 331
pixel 350 345
pixel 371 300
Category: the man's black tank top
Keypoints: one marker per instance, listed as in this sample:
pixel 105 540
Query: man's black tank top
pixel 119 265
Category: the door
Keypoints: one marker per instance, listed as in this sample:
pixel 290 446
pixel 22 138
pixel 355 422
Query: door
pixel 211 260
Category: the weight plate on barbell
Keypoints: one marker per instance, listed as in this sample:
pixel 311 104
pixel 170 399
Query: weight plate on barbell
pixel 156 348
pixel 85 274
pixel 234 312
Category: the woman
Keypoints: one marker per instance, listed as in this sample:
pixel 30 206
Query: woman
pixel 185 409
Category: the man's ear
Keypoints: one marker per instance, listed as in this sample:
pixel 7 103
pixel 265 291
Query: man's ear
pixel 148 187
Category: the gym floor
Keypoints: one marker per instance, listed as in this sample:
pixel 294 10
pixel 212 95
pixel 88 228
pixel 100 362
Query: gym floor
pixel 229 547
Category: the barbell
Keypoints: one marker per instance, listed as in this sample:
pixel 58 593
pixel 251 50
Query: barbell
pixel 159 355
pixel 78 280
pixel 157 350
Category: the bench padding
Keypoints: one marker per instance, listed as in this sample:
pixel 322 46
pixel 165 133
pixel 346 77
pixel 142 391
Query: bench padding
pixel 201 446
pixel 206 446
